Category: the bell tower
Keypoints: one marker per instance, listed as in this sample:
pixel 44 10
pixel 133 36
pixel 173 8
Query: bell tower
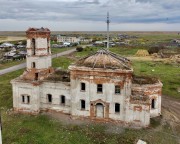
pixel 38 54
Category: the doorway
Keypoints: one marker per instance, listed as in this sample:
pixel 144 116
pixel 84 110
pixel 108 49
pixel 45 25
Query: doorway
pixel 99 110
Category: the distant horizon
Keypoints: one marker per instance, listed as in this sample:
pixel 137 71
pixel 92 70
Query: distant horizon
pixel 91 31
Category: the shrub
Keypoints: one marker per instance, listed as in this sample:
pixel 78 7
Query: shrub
pixel 155 49
pixel 79 49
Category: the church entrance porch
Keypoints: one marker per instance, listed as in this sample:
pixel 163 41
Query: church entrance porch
pixel 99 109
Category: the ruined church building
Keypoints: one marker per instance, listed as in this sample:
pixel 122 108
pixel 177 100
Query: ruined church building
pixel 98 86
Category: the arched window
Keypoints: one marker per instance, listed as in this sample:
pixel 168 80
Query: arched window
pixel 117 107
pixel 153 104
pixel 49 98
pixel 83 104
pixel 33 46
pixel 63 99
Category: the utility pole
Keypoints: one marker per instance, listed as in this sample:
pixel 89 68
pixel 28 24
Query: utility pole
pixel 108 22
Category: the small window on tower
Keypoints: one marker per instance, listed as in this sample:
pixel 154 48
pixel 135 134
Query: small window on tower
pixel 83 86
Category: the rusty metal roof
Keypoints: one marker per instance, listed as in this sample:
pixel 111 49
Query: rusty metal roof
pixel 105 59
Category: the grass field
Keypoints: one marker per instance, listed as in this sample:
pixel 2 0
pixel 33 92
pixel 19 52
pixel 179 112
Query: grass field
pixel 10 64
pixel 24 129
pixel 169 75
pixel 11 38
pixel 58 50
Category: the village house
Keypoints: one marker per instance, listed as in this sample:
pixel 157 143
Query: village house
pixel 98 86
pixel 69 39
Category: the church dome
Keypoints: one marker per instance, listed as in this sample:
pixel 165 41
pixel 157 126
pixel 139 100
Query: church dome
pixel 105 59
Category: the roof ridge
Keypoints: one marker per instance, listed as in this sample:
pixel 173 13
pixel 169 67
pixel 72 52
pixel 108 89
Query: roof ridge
pixel 104 58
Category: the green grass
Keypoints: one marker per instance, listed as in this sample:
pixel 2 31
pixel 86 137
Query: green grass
pixel 86 51
pixel 10 64
pixel 6 88
pixel 62 62
pixel 169 75
pixel 27 129
pixel 118 50
pixel 125 51
pixel 58 50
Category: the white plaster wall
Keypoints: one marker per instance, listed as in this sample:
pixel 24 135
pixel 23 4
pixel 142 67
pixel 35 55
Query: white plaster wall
pixel 77 95
pixel 41 52
pixel 28 45
pixel 41 62
pixel 41 43
pixel 141 118
pixel 90 94
pixel 38 96
pixel 21 88
pixel 56 90
pixel 29 52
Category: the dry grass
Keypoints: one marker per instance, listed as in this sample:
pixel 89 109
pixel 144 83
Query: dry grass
pixel 11 38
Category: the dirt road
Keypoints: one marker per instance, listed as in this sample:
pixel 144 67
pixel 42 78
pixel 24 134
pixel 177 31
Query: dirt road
pixel 23 65
pixel 173 106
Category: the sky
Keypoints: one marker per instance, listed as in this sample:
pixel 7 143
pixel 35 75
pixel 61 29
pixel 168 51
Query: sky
pixel 90 15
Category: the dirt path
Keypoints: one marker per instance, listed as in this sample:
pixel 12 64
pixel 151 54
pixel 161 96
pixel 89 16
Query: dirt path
pixel 147 58
pixel 173 106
